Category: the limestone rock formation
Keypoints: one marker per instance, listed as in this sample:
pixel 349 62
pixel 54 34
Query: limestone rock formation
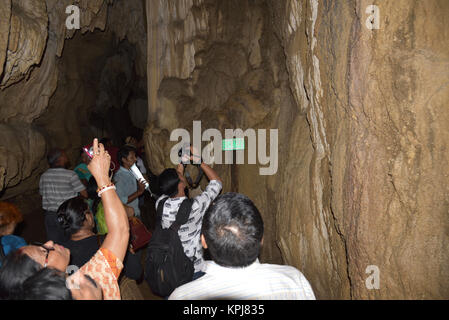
pixel 52 88
pixel 17 163
pixel 375 104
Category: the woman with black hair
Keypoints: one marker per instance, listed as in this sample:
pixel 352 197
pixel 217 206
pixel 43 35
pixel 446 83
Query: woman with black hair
pixel 104 267
pixel 78 222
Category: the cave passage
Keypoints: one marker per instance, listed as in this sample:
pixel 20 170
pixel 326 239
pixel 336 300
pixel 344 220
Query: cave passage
pixel 331 116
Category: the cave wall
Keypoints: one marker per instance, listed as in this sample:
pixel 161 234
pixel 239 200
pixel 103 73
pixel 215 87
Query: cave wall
pixel 361 113
pixel 376 108
pixel 362 178
pixel 54 82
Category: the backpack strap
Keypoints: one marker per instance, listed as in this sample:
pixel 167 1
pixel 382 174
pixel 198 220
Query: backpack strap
pixel 160 210
pixel 99 240
pixel 183 214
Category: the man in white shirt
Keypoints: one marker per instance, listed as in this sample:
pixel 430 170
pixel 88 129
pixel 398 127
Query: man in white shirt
pixel 232 231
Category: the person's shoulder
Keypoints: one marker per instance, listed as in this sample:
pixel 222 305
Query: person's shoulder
pixel 62 172
pixel 13 241
pixel 281 270
pixel 191 290
pixel 119 173
pixel 161 198
pixel 81 166
pixel 49 172
pixel 13 238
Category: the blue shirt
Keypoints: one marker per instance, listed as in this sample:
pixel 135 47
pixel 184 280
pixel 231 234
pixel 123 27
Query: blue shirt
pixel 126 184
pixel 82 171
pixel 11 243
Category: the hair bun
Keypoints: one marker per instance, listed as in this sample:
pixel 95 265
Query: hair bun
pixel 63 221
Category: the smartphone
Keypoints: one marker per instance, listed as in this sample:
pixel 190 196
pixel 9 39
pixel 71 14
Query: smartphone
pixel 89 152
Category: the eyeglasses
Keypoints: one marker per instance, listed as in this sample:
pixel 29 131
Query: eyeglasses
pixel 46 248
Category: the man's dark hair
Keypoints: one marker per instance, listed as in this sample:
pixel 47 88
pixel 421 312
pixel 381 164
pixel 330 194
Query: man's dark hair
pixel 53 157
pixel 16 268
pixel 168 182
pixel 72 214
pixel 124 153
pixel 233 230
pixel 46 284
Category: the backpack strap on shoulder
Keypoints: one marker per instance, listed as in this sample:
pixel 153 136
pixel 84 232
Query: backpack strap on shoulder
pixel 160 211
pixel 183 214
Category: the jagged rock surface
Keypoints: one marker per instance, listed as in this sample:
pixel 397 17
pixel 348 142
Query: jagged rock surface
pixel 375 102
pixel 65 86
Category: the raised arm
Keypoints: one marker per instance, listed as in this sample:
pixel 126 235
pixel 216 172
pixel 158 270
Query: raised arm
pixel 208 171
pixel 115 215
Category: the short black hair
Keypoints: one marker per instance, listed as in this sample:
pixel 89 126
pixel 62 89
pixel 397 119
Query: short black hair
pixel 233 230
pixel 168 182
pixel 16 268
pixel 53 156
pixel 46 284
pixel 72 214
pixel 124 153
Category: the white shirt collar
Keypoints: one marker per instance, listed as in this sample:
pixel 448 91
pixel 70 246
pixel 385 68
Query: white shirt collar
pixel 214 268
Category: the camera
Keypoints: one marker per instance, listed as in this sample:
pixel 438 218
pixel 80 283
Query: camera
pixel 184 151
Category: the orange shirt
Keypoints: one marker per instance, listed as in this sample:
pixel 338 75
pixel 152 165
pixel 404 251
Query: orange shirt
pixel 104 267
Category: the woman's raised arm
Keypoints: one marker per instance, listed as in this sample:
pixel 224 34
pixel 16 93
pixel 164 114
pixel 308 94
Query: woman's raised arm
pixel 116 219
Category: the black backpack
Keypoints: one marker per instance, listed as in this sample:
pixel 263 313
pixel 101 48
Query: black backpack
pixel 167 266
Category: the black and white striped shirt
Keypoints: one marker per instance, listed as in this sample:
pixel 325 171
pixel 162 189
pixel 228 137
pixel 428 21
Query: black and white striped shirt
pixel 190 232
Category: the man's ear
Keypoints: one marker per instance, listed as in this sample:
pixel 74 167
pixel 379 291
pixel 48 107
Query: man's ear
pixel 261 242
pixel 203 241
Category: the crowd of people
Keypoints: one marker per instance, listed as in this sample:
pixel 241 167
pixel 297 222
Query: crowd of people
pixel 87 214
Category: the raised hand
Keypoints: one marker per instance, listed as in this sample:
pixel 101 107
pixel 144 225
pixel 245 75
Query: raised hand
pixel 100 163
pixel 140 187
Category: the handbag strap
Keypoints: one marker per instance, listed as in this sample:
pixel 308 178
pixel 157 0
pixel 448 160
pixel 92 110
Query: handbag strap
pixel 99 241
